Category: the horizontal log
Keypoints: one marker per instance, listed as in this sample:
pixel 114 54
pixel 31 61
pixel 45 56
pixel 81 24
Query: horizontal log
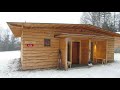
pixel 111 49
pixel 41 33
pixel 111 44
pixel 42 45
pixel 38 67
pixel 40 61
pixel 41 40
pixel 38 31
pixel 38 34
pixel 41 51
pixel 34 39
pixel 40 58
pixel 37 49
pixel 44 55
pixel 35 46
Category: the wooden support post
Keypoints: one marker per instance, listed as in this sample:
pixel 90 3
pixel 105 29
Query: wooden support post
pixel 89 49
pixel 66 52
pixel 71 51
pixel 106 50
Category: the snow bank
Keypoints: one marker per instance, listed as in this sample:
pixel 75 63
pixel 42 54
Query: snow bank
pixel 118 32
pixel 117 56
pixel 7 55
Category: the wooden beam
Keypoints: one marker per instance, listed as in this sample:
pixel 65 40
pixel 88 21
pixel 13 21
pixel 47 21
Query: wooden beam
pixel 71 28
pixel 82 36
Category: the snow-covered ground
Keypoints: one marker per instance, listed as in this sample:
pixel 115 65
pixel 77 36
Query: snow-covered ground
pixel 9 69
pixel 118 32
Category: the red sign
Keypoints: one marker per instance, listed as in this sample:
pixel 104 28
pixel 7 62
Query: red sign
pixel 30 45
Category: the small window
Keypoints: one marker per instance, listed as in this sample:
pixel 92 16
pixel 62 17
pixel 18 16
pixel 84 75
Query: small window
pixel 46 42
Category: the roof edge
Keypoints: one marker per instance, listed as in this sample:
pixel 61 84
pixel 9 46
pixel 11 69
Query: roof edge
pixel 87 26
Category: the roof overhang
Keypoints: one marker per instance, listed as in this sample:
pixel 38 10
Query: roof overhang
pixel 83 36
pixel 17 27
pixel 17 31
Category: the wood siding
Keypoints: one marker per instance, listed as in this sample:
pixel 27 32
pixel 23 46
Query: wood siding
pixel 110 50
pixel 39 56
pixel 84 51
pixel 101 49
pixel 22 48
pixel 117 42
pixel 63 48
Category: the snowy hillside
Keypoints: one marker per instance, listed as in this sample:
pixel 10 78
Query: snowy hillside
pixel 9 68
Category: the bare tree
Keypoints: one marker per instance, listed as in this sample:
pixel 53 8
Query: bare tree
pixel 119 26
pixel 114 18
pixel 93 18
pixel 8 42
pixel 14 43
pixel 101 19
pixel 117 21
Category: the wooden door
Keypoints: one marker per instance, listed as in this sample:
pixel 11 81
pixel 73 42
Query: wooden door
pixel 84 51
pixel 75 52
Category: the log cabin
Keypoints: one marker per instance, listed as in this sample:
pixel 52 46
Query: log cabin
pixel 78 43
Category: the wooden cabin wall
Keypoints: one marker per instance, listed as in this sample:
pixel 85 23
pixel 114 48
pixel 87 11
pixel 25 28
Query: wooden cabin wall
pixel 117 43
pixel 100 49
pixel 94 51
pixel 110 50
pixel 39 56
pixel 84 51
pixel 63 48
pixel 21 48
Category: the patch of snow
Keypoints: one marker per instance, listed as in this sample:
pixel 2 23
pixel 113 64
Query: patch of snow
pixel 118 32
pixel 10 68
pixel 7 55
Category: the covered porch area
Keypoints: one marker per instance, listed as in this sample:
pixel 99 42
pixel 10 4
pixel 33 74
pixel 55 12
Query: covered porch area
pixel 78 49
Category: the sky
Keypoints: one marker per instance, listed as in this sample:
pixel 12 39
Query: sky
pixel 40 17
